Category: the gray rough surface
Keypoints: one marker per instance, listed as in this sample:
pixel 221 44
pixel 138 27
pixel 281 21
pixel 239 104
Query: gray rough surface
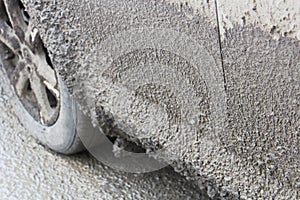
pixel 277 17
pixel 29 171
pixel 262 77
pixel 248 160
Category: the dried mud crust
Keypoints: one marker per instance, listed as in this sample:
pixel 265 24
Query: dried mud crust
pixel 229 165
pixel 263 90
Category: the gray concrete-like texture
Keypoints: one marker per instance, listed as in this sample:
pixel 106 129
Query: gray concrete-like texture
pixel 261 59
pixel 279 18
pixel 238 118
pixel 29 171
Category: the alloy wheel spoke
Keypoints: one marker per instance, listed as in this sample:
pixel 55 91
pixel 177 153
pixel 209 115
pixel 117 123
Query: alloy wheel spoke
pixel 44 70
pixel 15 14
pixel 32 37
pixel 40 94
pixel 21 82
pixel 54 91
pixel 9 38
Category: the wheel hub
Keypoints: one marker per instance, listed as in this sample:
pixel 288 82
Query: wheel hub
pixel 25 60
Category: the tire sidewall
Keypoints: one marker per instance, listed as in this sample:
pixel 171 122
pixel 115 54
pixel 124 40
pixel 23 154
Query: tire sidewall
pixel 62 134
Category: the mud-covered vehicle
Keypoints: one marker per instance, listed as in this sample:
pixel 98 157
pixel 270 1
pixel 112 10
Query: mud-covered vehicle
pixel 211 88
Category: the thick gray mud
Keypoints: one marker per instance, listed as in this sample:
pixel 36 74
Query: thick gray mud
pixel 250 149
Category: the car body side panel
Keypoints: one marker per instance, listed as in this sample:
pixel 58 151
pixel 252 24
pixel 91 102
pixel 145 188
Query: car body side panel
pixel 102 23
pixel 261 90
pixel 261 58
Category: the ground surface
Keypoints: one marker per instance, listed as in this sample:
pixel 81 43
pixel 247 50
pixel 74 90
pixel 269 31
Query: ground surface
pixel 29 171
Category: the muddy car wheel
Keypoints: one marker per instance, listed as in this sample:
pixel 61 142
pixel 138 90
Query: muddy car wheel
pixel 41 100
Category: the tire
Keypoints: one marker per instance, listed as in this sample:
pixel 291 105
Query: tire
pixel 67 121
pixel 62 136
